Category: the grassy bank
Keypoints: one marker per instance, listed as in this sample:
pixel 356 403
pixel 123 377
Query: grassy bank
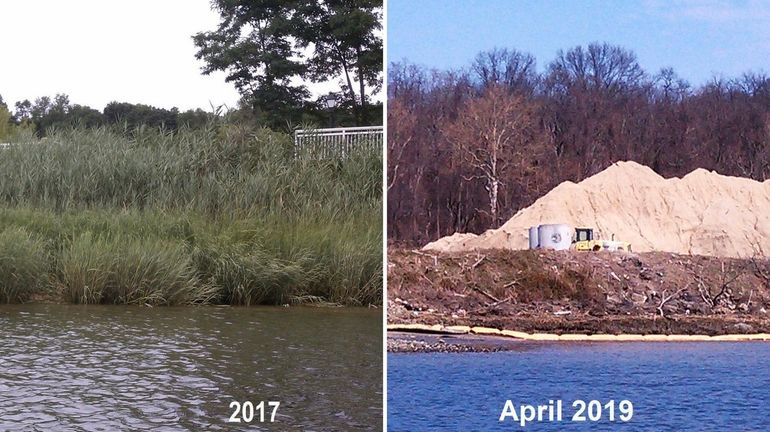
pixel 223 215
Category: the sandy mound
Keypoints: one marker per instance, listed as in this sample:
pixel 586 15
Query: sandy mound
pixel 703 213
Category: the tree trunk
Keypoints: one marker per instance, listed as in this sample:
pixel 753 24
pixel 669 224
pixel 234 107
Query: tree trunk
pixel 363 117
pixel 351 93
pixel 493 191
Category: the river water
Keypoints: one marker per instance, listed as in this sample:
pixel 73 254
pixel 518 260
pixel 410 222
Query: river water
pixel 67 367
pixel 672 387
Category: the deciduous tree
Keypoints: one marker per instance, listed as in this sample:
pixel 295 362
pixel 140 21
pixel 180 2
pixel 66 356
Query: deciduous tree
pixel 591 107
pixel 489 137
pixel 267 46
pixel 344 36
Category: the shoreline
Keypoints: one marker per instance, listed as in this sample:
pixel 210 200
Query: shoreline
pixel 308 305
pixel 597 297
pixel 415 342
pixel 438 329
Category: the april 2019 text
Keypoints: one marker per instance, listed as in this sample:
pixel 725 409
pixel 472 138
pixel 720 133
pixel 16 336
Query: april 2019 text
pixel 553 411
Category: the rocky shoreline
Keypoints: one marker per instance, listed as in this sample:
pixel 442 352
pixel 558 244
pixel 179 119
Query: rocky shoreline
pixel 408 342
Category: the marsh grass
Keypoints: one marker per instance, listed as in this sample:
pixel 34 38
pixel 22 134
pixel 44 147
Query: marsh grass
pixel 247 276
pixel 128 271
pixel 220 215
pixel 23 265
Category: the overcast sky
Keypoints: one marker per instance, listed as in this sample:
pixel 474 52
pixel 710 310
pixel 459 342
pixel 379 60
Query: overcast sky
pixel 97 51
pixel 698 38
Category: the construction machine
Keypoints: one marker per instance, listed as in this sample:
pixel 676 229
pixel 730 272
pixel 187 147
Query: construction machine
pixel 564 237
pixel 584 241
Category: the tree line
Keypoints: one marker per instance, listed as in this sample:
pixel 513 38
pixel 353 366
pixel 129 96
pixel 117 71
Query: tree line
pixel 468 148
pixel 270 51
pixel 57 112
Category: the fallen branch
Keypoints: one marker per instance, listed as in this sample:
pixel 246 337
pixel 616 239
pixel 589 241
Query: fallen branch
pixel 435 257
pixel 486 294
pixel 665 299
pixel 484 309
pixel 478 263
pixel 510 284
pixel 498 303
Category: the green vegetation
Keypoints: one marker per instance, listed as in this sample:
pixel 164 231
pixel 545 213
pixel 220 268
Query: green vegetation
pixel 221 214
pixel 23 265
pixel 270 50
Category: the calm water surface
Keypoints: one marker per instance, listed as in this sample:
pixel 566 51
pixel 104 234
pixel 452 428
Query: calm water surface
pixel 673 386
pixel 66 367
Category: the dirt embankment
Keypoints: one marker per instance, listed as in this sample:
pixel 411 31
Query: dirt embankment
pixel 702 213
pixel 571 292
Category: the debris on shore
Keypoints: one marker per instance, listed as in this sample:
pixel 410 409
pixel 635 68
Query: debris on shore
pixel 569 292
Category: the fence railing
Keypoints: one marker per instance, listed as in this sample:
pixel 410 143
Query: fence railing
pixel 337 142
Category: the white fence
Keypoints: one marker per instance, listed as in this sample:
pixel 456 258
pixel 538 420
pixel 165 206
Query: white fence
pixel 337 142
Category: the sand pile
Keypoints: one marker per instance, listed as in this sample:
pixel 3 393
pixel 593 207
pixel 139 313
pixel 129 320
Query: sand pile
pixel 703 213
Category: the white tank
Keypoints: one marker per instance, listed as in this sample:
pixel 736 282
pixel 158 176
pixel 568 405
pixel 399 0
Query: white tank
pixel 554 236
pixel 533 243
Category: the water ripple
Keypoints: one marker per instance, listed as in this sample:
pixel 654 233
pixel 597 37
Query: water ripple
pixel 94 368
pixel 673 386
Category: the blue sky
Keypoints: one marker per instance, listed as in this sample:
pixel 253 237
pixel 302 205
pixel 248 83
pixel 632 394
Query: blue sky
pixel 699 39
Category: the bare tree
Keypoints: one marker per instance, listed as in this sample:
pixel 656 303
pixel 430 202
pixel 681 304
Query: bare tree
pixel 488 135
pixel 511 68
pixel 401 128
pixel 598 67
pixel 593 106
pixel 670 86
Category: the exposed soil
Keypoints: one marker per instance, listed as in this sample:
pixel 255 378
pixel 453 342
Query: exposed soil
pixel 702 213
pixel 572 292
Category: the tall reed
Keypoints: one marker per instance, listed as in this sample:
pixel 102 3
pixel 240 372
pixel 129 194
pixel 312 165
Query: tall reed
pixel 226 212
pixel 23 265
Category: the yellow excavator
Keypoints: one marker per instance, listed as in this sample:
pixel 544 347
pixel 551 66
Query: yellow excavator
pixel 584 241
